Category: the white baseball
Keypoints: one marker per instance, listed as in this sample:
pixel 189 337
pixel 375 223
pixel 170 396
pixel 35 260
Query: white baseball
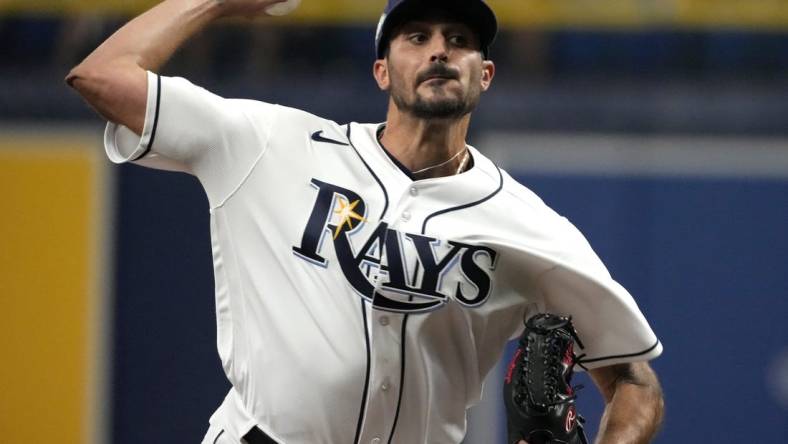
pixel 283 8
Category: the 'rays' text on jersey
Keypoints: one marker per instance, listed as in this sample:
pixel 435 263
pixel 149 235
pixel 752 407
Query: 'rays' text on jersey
pixel 396 271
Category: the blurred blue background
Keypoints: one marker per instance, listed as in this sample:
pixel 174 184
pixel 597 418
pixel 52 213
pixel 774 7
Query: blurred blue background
pixel 690 214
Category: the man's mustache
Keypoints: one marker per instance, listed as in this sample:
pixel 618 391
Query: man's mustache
pixel 438 71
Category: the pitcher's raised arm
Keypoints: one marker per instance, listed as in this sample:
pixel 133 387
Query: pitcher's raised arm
pixel 113 80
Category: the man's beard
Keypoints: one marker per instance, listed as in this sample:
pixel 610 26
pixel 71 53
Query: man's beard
pixel 443 108
pixel 448 107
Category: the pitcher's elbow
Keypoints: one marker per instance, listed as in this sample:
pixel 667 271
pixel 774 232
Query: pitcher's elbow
pixel 79 72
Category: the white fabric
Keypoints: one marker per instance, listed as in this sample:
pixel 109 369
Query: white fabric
pixel 218 435
pixel 294 300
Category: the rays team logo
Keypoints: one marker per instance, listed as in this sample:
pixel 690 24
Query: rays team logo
pixel 395 271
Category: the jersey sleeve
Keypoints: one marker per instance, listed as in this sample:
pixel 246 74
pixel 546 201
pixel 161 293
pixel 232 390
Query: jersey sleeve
pixel 608 320
pixel 566 277
pixel 190 129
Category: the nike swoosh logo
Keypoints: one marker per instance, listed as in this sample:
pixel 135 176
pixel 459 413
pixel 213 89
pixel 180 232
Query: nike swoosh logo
pixel 317 136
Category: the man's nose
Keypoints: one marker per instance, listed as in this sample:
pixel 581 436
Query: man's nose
pixel 439 49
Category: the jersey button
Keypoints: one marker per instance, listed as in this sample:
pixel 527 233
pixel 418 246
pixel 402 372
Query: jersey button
pixel 405 215
pixel 414 191
pixel 375 440
pixel 385 386
pixel 383 320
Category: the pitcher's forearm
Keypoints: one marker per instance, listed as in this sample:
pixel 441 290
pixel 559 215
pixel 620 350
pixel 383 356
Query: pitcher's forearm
pixel 633 415
pixel 150 39
pixel 112 79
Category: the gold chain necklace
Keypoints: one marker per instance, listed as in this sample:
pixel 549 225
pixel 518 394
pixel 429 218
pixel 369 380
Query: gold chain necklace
pixel 465 158
pixel 459 169
pixel 462 164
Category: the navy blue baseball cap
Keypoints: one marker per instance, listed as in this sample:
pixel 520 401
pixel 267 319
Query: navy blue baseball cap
pixel 474 13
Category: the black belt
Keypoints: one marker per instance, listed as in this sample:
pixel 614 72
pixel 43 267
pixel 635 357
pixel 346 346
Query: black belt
pixel 257 436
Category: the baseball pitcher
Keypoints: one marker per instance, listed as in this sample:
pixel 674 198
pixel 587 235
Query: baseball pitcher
pixel 369 275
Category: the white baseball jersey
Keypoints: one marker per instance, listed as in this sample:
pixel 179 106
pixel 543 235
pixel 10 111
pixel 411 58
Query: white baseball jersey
pixel 353 304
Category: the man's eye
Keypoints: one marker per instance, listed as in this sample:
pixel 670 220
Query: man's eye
pixel 458 40
pixel 418 38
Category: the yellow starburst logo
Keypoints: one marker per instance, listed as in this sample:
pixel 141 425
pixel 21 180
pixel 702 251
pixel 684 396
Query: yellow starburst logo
pixel 347 213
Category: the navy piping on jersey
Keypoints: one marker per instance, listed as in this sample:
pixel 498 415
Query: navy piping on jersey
pixel 399 164
pixel 464 206
pixel 155 120
pixel 405 320
pixel 628 355
pixel 385 193
pixel 363 305
pixel 215 440
pixel 401 377
pixel 402 361
pixel 366 378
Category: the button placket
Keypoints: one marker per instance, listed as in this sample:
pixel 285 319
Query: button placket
pixel 385 367
pixel 385 337
pixel 406 200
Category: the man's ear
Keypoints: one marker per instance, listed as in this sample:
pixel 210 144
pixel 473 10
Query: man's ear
pixel 488 72
pixel 380 70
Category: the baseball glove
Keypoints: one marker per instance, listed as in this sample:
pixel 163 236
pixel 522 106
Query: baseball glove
pixel 539 398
